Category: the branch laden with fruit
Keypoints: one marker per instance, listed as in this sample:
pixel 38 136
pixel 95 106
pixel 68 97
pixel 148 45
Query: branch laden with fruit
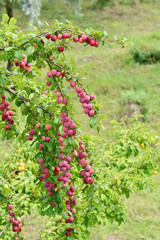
pixel 62 180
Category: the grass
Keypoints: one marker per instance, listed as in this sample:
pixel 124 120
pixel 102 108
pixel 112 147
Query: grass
pixel 117 81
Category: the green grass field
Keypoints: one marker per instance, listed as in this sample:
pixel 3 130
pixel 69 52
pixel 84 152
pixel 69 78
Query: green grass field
pixel 118 83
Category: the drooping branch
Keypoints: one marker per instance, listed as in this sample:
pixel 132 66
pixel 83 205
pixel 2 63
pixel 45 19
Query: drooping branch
pixel 25 99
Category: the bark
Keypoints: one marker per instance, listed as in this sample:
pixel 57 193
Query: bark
pixel 9 11
pixel 9 8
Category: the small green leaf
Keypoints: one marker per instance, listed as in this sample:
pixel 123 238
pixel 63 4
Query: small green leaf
pixel 5 18
pixel 30 50
pixel 12 21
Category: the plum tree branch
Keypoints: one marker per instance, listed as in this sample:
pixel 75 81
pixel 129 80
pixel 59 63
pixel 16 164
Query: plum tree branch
pixel 3 229
pixel 25 99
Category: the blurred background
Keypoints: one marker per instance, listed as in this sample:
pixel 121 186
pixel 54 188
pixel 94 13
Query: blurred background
pixel 124 80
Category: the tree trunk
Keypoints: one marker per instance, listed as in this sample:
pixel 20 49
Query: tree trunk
pixel 9 11
pixel 9 8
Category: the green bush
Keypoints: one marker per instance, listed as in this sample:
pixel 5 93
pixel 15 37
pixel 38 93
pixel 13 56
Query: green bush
pixel 146 56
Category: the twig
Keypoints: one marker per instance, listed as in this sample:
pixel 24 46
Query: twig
pixel 3 230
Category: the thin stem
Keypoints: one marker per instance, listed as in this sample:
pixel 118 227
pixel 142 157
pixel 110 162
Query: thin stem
pixel 3 229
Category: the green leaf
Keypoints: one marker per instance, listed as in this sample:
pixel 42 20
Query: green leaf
pixel 31 96
pixel 49 145
pixel 30 50
pixel 103 197
pixel 12 22
pixel 93 122
pixel 29 59
pixel 5 18
pixel 18 55
pixel 69 148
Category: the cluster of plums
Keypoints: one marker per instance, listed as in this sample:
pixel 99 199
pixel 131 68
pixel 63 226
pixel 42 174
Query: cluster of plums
pixel 59 37
pixel 86 39
pixel 7 113
pixel 85 99
pixel 83 38
pixel 23 64
pixel 84 163
pixel 16 221
pixel 59 97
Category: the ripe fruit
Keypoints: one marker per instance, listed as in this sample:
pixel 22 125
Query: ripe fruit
pixel 74 211
pixel 60 36
pixel 81 40
pixel 38 125
pixel 71 219
pixel 3 97
pixel 84 37
pixel 7 127
pixel 54 204
pixel 48 83
pixel 48 35
pixel 54 72
pixel 59 100
pixel 91 113
pixel 30 138
pixel 60 49
pixel 72 84
pixel 53 38
pixel 68 234
pixel 32 132
pixel 66 35
pixel 6 186
pixel 76 39
pixel 92 96
pixel 121 141
pixel 49 74
pixel 142 145
pixel 58 74
pixel 10 206
pixel 48 127
pixel 155 172
pixel 96 44
pixel 92 42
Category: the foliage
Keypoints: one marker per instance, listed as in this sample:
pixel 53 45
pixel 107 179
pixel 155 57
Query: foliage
pixel 31 9
pixel 119 167
pixel 146 56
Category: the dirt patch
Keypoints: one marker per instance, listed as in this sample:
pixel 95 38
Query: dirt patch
pixel 131 109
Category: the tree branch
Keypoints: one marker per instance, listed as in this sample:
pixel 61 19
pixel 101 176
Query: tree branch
pixel 3 229
pixel 25 99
